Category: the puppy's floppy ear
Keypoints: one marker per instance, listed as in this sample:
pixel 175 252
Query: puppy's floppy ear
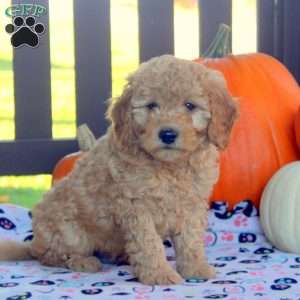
pixel 224 109
pixel 120 116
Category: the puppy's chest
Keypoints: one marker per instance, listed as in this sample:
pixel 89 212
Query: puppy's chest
pixel 175 185
pixel 163 185
pixel 170 199
pixel 168 195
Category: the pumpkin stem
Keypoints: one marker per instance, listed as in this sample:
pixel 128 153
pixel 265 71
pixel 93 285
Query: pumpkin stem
pixel 85 137
pixel 221 44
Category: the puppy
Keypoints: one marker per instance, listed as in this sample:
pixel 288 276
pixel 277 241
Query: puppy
pixel 149 177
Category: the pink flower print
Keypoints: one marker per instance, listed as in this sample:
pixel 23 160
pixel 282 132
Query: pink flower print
pixel 3 270
pixel 257 273
pixel 68 290
pixel 282 273
pixel 234 289
pixel 240 221
pixel 76 276
pixel 210 238
pixel 277 267
pixel 259 287
pixel 227 236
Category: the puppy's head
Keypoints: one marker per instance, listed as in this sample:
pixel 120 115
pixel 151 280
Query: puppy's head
pixel 171 107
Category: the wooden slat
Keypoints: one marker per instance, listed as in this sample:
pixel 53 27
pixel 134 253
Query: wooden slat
pixel 267 27
pixel 156 28
pixel 289 16
pixel 23 157
pixel 279 32
pixel 32 85
pixel 212 13
pixel 92 61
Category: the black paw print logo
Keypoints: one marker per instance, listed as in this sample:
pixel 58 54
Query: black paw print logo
pixel 24 32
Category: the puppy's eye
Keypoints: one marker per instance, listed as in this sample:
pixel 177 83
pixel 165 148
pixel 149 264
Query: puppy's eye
pixel 190 106
pixel 152 105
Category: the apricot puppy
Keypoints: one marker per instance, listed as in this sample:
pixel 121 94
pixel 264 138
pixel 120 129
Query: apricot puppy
pixel 149 177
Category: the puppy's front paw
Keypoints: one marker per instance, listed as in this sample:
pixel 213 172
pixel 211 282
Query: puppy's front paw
pixel 160 277
pixel 89 264
pixel 203 271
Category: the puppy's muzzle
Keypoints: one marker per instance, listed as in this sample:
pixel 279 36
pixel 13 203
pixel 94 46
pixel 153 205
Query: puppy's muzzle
pixel 168 135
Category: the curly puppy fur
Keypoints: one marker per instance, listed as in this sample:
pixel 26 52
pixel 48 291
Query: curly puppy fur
pixel 134 189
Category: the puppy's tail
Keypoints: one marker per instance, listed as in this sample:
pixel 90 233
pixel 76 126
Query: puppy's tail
pixel 12 250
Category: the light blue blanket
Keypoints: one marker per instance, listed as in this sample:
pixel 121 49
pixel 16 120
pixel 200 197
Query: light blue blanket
pixel 248 267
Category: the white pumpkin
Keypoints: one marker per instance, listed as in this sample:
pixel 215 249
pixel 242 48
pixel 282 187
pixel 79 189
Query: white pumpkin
pixel 280 208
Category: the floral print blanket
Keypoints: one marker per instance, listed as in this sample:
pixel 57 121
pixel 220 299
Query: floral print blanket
pixel 248 267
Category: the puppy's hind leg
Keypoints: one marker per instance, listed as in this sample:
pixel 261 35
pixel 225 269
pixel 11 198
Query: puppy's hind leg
pixel 66 245
pixel 80 263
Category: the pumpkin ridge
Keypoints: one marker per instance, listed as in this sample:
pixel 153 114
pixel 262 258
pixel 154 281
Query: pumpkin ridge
pixel 265 207
pixel 296 228
pixel 285 109
pixel 274 207
pixel 276 145
pixel 270 127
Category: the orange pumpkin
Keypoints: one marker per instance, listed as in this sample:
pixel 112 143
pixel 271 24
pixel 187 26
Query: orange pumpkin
pixel 263 138
pixel 86 140
pixel 64 166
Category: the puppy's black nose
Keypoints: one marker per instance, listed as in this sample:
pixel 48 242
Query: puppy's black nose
pixel 168 136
